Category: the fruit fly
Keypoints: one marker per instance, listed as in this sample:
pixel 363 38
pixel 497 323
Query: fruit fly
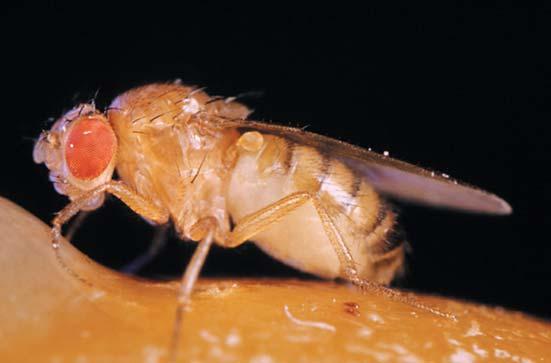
pixel 312 202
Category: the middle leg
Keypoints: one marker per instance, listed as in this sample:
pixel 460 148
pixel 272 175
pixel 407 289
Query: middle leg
pixel 204 230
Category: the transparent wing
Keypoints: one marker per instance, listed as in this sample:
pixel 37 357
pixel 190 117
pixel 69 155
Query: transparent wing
pixel 389 176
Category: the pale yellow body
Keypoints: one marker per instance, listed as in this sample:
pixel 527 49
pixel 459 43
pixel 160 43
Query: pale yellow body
pixel 162 150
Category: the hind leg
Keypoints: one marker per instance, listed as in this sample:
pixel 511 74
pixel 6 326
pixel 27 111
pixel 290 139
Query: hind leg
pixel 350 271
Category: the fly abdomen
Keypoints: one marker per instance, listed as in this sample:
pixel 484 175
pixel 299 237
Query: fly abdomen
pixel 365 221
pixel 280 168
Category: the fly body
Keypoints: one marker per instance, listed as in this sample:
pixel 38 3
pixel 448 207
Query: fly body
pixel 315 203
pixel 175 151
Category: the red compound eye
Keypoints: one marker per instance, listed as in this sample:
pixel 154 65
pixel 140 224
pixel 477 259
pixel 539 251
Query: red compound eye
pixel 89 147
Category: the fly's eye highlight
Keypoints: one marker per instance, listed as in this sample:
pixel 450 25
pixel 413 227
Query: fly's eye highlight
pixel 90 146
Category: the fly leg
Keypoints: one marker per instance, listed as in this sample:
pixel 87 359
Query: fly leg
pixel 351 272
pixel 157 244
pixel 344 255
pixel 249 226
pixel 134 201
pixel 208 226
pixel 257 222
pixel 137 203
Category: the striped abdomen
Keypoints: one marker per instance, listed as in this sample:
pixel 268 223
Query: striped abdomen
pixel 363 219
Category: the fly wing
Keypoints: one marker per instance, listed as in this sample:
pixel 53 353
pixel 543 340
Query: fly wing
pixel 389 176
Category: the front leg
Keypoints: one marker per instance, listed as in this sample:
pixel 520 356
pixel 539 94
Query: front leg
pixel 139 204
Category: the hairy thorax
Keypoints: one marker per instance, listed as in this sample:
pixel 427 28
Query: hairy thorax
pixel 170 152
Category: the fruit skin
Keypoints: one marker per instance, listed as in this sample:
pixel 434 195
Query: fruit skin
pixel 102 315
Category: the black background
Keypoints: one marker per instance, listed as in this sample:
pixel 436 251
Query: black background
pixel 464 90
